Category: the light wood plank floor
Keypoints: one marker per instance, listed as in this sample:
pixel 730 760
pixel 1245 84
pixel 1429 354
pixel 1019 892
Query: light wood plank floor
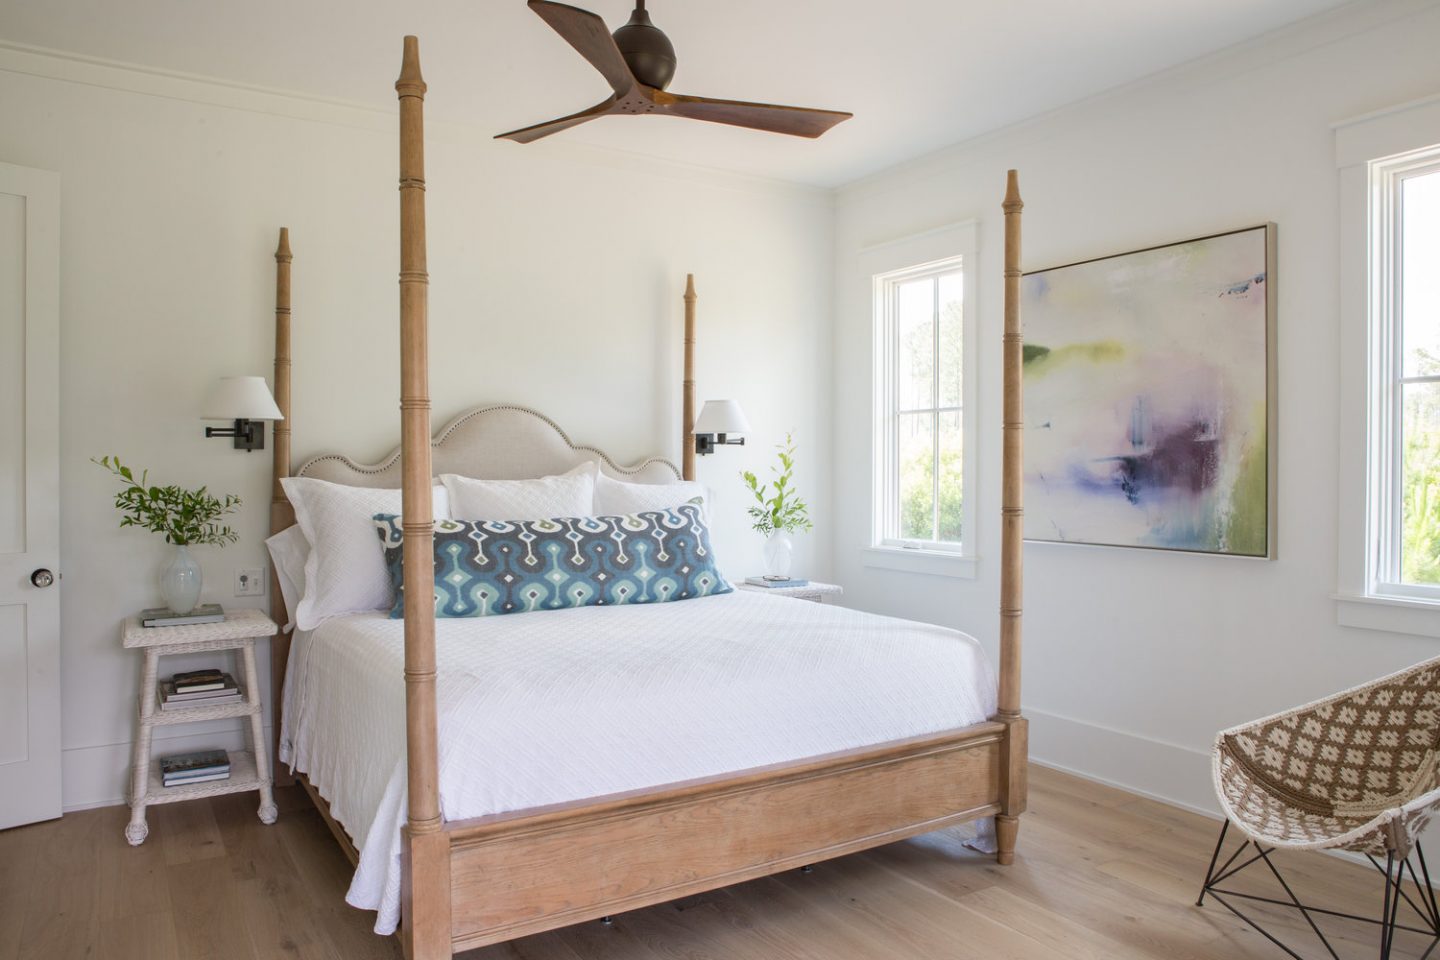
pixel 1101 875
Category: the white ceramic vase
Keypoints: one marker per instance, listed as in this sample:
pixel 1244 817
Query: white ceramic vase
pixel 778 547
pixel 180 581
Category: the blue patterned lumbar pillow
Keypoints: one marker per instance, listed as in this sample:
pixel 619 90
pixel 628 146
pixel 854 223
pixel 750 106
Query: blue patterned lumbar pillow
pixel 489 567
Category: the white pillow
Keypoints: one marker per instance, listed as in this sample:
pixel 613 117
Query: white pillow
pixel 345 572
pixel 570 494
pixel 619 498
pixel 288 552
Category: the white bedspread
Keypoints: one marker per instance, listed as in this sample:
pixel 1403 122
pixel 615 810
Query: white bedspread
pixel 540 708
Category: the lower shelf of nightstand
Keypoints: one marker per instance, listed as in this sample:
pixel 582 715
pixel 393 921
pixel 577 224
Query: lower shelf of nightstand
pixel 243 776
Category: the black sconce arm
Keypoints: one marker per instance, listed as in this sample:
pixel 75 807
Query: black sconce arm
pixel 705 443
pixel 249 434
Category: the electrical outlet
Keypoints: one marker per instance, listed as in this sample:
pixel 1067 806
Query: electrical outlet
pixel 250 582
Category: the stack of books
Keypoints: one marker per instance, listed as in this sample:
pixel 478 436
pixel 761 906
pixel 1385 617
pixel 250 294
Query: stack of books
pixel 776 582
pixel 199 688
pixel 165 617
pixel 183 768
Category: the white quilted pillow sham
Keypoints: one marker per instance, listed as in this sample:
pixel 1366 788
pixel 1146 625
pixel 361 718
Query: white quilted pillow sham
pixel 345 572
pixel 619 498
pixel 289 550
pixel 569 494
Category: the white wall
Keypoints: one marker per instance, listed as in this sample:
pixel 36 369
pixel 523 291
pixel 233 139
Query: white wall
pixel 556 281
pixel 1133 659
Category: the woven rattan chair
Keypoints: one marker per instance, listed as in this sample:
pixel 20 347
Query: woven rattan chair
pixel 1356 771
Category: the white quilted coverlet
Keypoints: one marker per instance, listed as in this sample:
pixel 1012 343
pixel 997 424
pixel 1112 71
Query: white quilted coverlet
pixel 545 707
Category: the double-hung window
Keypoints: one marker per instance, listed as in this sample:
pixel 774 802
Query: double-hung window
pixel 923 396
pixel 1389 565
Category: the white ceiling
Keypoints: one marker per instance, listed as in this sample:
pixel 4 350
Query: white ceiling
pixel 918 74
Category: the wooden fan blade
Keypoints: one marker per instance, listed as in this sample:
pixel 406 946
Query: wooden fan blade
pixel 531 134
pixel 796 121
pixel 588 34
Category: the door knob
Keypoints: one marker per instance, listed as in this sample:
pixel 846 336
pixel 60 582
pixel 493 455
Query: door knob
pixel 42 577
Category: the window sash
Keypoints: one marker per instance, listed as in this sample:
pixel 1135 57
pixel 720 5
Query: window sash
pixel 894 411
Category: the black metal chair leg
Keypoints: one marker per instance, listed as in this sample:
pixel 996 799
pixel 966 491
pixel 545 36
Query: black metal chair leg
pixel 1424 903
pixel 1214 858
pixel 1387 922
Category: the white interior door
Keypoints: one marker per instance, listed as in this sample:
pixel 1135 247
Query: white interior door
pixel 29 495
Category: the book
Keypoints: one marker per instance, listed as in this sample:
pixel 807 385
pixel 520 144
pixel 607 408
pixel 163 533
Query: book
pixel 204 778
pixel 200 777
pixel 181 762
pixel 199 681
pixel 212 699
pixel 209 696
pixel 198 772
pixel 165 617
pixel 178 690
pixel 773 583
pixel 199 676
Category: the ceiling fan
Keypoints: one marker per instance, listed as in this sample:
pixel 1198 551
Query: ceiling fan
pixel 638 61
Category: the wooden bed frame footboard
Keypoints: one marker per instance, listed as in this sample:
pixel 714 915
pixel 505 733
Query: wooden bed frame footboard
pixel 517 874
pixel 469 883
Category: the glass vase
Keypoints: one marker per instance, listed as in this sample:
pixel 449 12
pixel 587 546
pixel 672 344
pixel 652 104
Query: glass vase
pixel 778 547
pixel 180 581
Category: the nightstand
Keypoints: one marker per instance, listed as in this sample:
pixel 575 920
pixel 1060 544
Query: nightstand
pixel 249 769
pixel 814 590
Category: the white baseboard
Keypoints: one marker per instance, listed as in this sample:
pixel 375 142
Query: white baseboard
pixel 1155 769
pixel 98 776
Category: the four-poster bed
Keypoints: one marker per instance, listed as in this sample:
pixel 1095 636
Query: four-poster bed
pixel 470 882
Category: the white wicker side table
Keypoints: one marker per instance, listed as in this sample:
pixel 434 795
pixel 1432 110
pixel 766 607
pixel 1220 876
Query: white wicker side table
pixel 249 769
pixel 814 591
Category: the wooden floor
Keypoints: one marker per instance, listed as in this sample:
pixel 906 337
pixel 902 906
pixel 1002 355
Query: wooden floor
pixel 1101 875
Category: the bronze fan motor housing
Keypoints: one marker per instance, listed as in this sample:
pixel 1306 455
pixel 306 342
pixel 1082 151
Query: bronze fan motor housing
pixel 647 51
pixel 638 61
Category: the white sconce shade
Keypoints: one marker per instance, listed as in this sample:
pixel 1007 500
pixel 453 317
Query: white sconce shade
pixel 722 417
pixel 240 398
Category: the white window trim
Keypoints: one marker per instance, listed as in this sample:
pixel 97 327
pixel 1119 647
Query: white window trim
pixel 1369 152
pixel 930 247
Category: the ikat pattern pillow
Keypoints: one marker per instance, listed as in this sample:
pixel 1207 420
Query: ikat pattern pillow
pixel 491 567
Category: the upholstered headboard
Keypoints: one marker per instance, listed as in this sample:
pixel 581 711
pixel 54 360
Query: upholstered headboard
pixel 498 442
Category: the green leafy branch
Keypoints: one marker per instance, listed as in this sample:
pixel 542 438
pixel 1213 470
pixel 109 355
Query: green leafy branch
pixel 185 517
pixel 784 509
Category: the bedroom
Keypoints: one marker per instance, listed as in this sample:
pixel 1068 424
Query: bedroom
pixel 185 138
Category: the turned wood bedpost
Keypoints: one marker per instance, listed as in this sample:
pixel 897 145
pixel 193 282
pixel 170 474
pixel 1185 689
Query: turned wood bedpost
pixel 1015 754
pixel 687 415
pixel 281 513
pixel 425 903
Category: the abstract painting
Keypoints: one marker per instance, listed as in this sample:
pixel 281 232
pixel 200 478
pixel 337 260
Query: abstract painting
pixel 1148 407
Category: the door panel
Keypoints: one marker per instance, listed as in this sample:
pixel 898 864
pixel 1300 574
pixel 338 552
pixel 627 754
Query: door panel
pixel 12 373
pixel 15 704
pixel 29 495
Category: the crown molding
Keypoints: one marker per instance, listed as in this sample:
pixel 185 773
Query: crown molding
pixel 84 70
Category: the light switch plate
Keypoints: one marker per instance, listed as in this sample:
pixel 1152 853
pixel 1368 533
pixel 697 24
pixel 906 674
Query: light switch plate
pixel 250 582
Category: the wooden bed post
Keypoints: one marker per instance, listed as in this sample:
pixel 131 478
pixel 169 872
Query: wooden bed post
pixel 282 515
pixel 425 903
pixel 687 416
pixel 1015 754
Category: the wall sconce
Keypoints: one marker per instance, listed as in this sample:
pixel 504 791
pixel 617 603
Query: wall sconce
pixel 717 421
pixel 246 401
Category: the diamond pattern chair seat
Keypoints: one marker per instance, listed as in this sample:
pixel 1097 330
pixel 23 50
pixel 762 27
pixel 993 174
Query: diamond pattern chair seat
pixel 1354 771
